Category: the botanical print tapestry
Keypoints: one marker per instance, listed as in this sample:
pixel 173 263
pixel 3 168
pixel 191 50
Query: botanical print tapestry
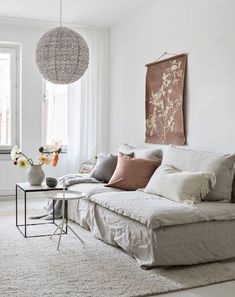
pixel 165 102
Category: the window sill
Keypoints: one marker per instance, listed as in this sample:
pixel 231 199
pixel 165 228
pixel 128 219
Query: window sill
pixel 62 152
pixel 5 152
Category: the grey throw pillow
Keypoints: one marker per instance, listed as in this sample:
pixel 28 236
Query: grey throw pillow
pixel 105 167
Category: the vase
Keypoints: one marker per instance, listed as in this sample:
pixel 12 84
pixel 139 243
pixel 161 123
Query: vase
pixel 35 175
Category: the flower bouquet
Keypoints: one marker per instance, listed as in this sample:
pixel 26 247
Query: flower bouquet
pixel 35 173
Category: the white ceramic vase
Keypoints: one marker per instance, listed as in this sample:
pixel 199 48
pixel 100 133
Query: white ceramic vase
pixel 35 175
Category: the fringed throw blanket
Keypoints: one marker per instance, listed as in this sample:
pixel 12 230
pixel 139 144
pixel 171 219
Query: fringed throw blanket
pixel 70 179
pixel 73 179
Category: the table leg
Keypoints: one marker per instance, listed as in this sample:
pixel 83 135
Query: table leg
pixel 16 207
pixel 58 227
pixel 66 207
pixel 75 234
pixel 25 215
pixel 63 221
pixel 53 211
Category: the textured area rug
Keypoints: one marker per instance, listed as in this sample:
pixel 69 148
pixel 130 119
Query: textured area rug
pixel 33 267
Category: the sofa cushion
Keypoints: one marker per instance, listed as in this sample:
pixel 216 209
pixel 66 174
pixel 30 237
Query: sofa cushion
pixel 143 153
pixel 105 167
pixel 221 165
pixel 180 186
pixel 132 173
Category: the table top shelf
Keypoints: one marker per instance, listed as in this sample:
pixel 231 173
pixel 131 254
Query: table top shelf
pixel 26 187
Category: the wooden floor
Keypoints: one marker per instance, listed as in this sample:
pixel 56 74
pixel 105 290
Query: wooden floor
pixel 220 290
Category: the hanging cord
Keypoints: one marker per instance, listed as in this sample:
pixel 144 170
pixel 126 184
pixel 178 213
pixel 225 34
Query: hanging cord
pixel 60 13
pixel 165 53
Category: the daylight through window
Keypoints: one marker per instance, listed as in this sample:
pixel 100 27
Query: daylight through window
pixel 56 114
pixel 7 98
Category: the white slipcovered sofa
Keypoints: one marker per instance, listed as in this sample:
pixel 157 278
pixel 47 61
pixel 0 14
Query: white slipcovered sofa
pixel 157 231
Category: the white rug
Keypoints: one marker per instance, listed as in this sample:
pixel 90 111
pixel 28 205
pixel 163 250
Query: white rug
pixel 33 267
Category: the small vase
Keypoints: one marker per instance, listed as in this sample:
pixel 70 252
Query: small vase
pixel 35 175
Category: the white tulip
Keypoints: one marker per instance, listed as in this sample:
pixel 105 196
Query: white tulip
pixel 15 152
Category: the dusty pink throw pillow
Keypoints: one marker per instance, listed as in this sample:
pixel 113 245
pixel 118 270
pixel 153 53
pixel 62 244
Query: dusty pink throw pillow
pixel 132 173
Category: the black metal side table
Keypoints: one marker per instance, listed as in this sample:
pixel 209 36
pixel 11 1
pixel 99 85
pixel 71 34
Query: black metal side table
pixel 27 188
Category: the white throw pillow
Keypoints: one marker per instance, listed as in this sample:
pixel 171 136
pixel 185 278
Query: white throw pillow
pixel 143 153
pixel 221 165
pixel 179 185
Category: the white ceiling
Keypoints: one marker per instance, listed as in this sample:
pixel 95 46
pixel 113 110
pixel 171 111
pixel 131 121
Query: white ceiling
pixel 83 12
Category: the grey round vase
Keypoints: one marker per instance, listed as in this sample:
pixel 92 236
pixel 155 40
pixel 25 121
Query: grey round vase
pixel 35 175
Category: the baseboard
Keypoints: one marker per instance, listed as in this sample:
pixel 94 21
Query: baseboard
pixel 7 193
pixel 7 197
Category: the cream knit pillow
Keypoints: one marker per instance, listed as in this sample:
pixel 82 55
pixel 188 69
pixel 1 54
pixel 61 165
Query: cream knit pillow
pixel 180 186
pixel 198 161
pixel 142 153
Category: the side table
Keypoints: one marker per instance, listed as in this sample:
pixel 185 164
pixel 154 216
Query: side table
pixel 65 196
pixel 27 188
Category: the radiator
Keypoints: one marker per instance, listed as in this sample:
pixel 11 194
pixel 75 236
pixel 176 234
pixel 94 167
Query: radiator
pixel 9 176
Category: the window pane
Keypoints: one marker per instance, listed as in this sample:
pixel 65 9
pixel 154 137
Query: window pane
pixel 5 99
pixel 56 116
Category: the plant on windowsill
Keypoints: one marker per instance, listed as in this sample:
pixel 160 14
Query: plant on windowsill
pixel 35 173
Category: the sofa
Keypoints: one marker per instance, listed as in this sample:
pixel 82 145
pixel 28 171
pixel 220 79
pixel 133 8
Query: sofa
pixel 164 231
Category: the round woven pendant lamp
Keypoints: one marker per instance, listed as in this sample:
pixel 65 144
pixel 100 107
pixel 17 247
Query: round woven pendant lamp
pixel 62 55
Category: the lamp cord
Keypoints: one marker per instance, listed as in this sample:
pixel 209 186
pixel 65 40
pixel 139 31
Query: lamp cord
pixel 60 13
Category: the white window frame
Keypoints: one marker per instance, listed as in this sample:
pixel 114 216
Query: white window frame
pixel 14 51
pixel 64 147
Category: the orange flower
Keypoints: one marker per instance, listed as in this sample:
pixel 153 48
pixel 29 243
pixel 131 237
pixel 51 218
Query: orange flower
pixel 56 159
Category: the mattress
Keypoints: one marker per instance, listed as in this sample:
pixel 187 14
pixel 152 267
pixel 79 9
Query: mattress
pixel 175 244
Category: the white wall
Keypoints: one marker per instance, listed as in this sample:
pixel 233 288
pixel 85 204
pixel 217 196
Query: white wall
pixel 27 33
pixel 31 104
pixel 202 28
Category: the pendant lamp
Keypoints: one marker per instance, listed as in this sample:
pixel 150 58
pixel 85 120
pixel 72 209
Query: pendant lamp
pixel 62 55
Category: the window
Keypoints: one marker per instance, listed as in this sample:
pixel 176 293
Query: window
pixel 55 114
pixel 8 85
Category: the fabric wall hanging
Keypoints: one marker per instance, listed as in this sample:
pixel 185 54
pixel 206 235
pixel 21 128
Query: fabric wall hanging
pixel 165 101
